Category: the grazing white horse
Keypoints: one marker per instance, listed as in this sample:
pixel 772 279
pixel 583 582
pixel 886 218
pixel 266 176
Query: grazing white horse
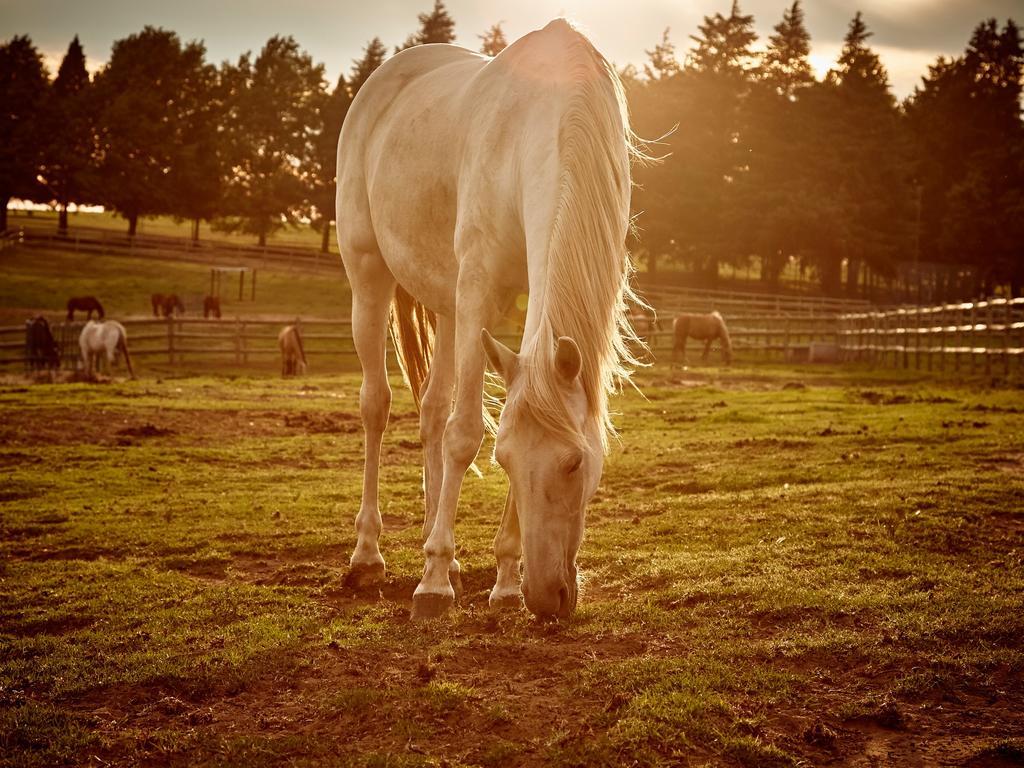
pixel 462 181
pixel 105 338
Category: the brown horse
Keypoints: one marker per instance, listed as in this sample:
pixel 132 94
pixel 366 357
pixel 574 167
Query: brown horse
pixel 293 356
pixel 41 347
pixel 704 328
pixel 211 306
pixel 166 305
pixel 87 304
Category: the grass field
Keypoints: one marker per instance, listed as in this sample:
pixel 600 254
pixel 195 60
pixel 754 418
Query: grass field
pixel 784 566
pixel 42 280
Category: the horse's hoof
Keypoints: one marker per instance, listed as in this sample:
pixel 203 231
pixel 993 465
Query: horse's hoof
pixel 505 601
pixel 430 605
pixel 364 575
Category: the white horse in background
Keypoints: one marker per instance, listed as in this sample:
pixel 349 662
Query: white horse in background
pixel 99 339
pixel 462 181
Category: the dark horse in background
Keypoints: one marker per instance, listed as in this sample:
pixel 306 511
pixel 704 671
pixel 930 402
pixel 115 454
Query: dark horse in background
pixel 211 307
pixel 166 305
pixel 87 304
pixel 43 352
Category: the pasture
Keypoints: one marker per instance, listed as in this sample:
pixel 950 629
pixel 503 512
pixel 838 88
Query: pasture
pixel 783 566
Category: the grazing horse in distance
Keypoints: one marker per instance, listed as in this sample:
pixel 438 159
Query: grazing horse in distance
pixel 211 306
pixel 100 340
pixel 704 328
pixel 463 181
pixel 293 356
pixel 87 304
pixel 166 305
pixel 43 351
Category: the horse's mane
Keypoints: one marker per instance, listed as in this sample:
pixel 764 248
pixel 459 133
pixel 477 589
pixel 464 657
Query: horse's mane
pixel 588 268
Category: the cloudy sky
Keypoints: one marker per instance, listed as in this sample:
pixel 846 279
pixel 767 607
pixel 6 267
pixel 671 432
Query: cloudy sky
pixel 908 34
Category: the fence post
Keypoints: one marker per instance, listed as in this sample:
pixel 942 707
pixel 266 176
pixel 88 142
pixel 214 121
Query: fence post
pixel 971 334
pixel 170 340
pixel 1007 325
pixel 238 340
pixel 989 316
pixel 245 346
pixel 944 326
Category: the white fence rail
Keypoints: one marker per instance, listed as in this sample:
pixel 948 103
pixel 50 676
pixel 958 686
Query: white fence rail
pixel 965 336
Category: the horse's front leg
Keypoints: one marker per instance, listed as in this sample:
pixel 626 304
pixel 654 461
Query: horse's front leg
pixel 371 300
pixel 463 435
pixel 508 549
pixel 707 350
pixel 435 408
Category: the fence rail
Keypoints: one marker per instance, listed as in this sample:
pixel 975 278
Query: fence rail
pixel 963 335
pixel 176 340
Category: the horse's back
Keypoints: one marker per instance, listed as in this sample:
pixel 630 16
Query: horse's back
pixel 437 145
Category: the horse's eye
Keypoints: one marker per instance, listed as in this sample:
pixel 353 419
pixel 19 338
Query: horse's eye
pixel 574 465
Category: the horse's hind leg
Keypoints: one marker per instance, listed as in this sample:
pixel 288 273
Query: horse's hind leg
pixel 508 549
pixel 707 350
pixel 372 289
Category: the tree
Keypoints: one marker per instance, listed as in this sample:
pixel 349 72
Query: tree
pixel 23 89
pixel 786 65
pixel 777 123
pixel 662 60
pixel 323 169
pixel 967 145
pixel 143 102
pixel 723 45
pixel 860 170
pixel 270 124
pixel 374 55
pixel 435 27
pixel 493 40
pixel 69 133
pixel 195 181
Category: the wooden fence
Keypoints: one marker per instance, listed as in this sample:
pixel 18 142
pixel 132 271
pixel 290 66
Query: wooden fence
pixel 240 341
pixel 966 336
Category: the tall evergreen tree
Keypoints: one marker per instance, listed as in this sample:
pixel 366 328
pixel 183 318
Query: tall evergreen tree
pixel 374 55
pixel 323 168
pixel 436 26
pixel 661 60
pixel 271 116
pixel 493 40
pixel 23 89
pixel 967 136
pixel 142 100
pixel 786 64
pixel 69 132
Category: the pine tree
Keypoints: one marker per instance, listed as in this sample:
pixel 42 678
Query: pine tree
pixel 662 60
pixel 493 40
pixel 786 65
pixel 23 89
pixel 374 55
pixel 723 45
pixel 69 133
pixel 436 26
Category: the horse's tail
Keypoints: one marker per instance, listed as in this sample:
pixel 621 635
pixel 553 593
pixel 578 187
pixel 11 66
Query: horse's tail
pixel 122 344
pixel 723 334
pixel 680 327
pixel 100 312
pixel 412 333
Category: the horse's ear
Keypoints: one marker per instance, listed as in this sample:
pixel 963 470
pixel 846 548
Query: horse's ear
pixel 568 360
pixel 502 359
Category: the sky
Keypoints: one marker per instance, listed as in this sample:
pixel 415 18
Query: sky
pixel 908 34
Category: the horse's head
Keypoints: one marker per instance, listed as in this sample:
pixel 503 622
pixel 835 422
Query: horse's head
pixel 551 478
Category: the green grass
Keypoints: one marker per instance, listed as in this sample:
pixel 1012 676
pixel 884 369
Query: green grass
pixel 772 576
pixel 38 280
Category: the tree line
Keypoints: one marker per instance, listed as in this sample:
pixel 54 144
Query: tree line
pixel 760 162
pixel 768 165
pixel 249 146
